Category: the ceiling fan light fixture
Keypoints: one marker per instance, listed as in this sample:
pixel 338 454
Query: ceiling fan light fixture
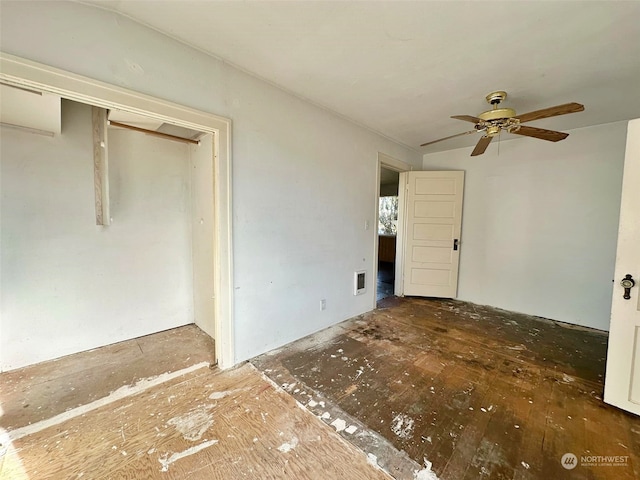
pixel 493 127
pixel 512 125
pixel 492 130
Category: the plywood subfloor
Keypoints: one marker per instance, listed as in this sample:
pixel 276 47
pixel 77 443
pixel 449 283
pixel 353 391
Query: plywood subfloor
pixel 475 391
pixel 202 425
pixel 34 393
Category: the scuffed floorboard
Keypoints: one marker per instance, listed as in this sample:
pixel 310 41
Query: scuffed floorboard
pixel 203 425
pixel 477 392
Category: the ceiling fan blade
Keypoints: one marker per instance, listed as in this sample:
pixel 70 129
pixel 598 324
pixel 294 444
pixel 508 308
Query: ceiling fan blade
pixel 447 138
pixel 481 146
pixel 467 118
pixel 551 112
pixel 541 133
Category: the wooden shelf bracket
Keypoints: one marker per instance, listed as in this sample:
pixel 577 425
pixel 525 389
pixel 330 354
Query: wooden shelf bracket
pixel 100 165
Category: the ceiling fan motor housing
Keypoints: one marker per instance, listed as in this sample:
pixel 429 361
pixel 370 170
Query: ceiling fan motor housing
pixel 490 116
pixel 497 114
pixel 492 121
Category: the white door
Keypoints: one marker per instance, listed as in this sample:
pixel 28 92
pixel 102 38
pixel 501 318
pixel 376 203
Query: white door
pixel 622 381
pixel 433 220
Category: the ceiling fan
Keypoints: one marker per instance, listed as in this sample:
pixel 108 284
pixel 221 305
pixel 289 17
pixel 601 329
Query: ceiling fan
pixel 493 121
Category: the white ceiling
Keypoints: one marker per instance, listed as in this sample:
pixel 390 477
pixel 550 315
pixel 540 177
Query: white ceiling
pixel 403 68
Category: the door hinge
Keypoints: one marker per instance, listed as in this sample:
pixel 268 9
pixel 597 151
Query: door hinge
pixel 455 244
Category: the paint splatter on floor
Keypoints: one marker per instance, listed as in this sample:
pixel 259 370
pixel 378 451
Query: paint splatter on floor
pixel 193 424
pixel 168 460
pixel 339 424
pixel 288 446
pixel 402 425
pixel 226 393
pixel 426 473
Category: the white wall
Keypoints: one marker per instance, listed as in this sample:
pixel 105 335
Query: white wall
pixel 68 285
pixel 540 223
pixel 304 180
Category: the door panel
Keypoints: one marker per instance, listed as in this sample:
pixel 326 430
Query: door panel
pixel 430 209
pixel 431 276
pixel 435 186
pixel 432 254
pixel 433 232
pixel 433 222
pixel 622 381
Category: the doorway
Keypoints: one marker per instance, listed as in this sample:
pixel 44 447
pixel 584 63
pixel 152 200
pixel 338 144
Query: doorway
pixel 387 207
pixel 387 232
pixel 42 78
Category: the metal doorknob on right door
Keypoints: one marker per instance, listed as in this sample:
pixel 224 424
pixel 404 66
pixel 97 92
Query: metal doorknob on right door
pixel 627 283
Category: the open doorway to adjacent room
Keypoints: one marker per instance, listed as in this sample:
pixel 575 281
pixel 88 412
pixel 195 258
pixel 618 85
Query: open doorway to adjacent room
pixel 387 231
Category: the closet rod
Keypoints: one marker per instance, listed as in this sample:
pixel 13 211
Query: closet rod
pixel 152 132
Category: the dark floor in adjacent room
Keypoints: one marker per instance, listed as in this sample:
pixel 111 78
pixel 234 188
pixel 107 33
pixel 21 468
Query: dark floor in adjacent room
pixel 467 391
pixel 386 277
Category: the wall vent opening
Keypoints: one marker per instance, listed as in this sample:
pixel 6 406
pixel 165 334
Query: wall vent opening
pixel 359 282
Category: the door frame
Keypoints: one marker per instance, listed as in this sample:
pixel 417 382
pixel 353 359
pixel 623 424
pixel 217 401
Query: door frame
pixel 390 163
pixel 24 73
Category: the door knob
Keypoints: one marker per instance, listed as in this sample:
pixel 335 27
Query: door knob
pixel 627 283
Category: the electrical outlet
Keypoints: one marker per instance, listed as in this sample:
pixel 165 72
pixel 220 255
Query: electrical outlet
pixel 323 304
pixel 366 224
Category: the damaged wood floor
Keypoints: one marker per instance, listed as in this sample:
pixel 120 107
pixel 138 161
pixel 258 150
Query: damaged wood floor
pixel 167 416
pixel 464 391
pixel 42 391
pixel 423 389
